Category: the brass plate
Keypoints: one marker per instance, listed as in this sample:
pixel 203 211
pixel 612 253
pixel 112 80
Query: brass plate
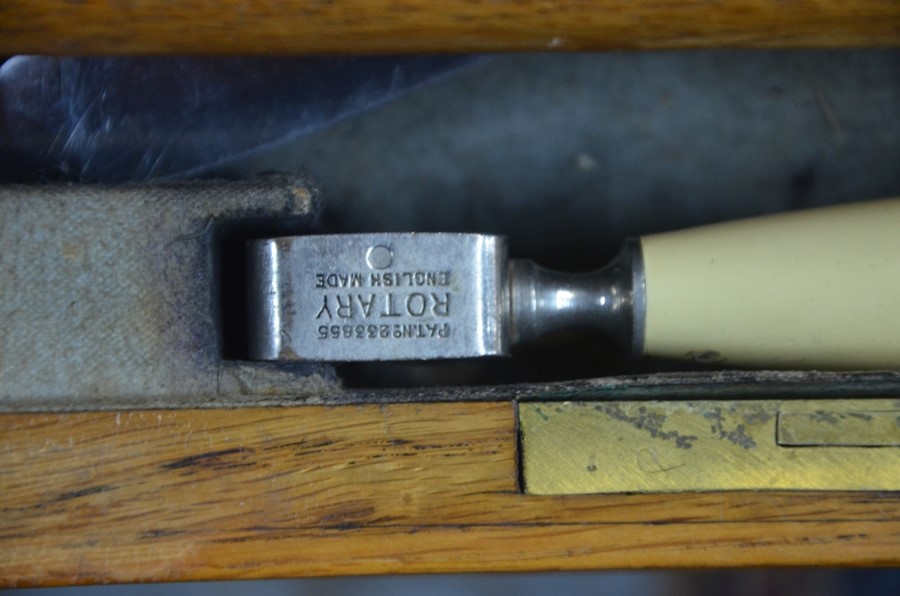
pixel 676 446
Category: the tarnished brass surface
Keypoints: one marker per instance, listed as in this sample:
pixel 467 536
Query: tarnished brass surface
pixel 675 446
pixel 853 427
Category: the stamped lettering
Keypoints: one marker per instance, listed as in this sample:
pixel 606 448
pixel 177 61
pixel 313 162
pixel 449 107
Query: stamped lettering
pixel 388 305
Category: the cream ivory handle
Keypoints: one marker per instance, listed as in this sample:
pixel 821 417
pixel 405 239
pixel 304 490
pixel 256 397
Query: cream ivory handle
pixel 809 289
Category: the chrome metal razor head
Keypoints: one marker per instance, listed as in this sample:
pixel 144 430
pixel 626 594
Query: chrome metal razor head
pixel 410 296
pixel 372 297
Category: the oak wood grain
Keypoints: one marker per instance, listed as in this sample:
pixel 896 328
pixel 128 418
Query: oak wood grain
pixel 286 492
pixel 401 26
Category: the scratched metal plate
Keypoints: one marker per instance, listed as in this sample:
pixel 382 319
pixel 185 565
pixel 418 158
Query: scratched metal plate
pixel 373 297
pixel 677 446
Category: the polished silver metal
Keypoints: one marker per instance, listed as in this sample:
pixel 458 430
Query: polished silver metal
pixel 408 296
pixel 364 297
pixel 638 296
pixel 545 301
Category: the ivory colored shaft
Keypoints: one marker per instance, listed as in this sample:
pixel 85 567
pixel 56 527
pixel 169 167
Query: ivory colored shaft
pixel 809 289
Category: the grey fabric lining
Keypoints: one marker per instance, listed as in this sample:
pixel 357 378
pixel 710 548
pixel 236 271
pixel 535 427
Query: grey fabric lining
pixel 110 294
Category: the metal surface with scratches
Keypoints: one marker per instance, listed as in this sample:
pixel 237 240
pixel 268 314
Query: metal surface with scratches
pixel 358 297
pixel 677 446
